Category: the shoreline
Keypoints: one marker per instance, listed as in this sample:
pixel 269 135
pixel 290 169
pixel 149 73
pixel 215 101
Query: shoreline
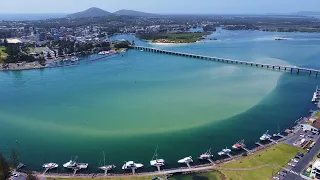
pixel 168 44
pixel 197 168
pixel 38 66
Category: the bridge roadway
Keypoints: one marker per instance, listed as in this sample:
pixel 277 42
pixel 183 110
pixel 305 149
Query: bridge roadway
pixel 292 69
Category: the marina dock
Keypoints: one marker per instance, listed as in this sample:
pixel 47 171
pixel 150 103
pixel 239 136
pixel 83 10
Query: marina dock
pixel 187 161
pixel 158 168
pixel 189 168
pixel 274 141
pixel 228 154
pixel 292 69
pixel 248 151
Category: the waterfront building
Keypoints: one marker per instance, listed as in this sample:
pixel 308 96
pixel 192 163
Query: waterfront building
pixel 315 171
pixel 309 127
pixel 312 124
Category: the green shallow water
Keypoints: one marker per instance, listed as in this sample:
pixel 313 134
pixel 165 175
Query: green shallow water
pixel 128 105
pixel 133 95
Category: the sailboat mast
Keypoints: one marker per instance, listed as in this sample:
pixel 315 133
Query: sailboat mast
pixel 104 159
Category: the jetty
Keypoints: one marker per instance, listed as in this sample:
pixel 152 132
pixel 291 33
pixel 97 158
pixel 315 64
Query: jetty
pixel 259 144
pixel 292 69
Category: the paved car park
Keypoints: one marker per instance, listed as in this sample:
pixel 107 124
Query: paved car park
pixel 304 161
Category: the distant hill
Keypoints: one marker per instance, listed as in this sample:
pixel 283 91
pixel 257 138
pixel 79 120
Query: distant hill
pixel 91 12
pixel 126 12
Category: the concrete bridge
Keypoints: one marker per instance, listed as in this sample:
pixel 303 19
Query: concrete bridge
pixel 292 69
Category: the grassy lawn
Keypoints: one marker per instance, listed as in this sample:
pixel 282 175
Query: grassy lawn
pixel 318 114
pixel 279 154
pixel 128 178
pixel 203 176
pixel 2 48
pixel 3 55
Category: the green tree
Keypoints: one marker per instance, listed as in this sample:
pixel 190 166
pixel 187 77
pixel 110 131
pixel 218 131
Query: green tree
pixel 30 176
pixel 4 168
pixel 122 44
pixel 14 158
pixel 60 51
pixel 5 42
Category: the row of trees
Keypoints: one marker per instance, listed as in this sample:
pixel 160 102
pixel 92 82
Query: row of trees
pixel 7 166
pixel 17 53
pixel 69 47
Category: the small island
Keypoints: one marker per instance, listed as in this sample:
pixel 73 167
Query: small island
pixel 173 38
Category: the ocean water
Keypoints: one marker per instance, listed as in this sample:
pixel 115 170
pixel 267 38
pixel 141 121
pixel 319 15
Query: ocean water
pixel 127 105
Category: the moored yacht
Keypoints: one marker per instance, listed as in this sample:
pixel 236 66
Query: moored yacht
pixel 106 167
pixel 132 165
pixel 81 166
pixel 265 136
pixel 73 59
pixel 206 155
pixel 224 151
pixel 186 160
pixel 238 145
pixel 155 161
pixel 104 53
pixel 50 165
pixel 71 163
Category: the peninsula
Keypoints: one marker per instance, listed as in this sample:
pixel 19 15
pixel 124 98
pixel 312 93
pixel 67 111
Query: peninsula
pixel 174 38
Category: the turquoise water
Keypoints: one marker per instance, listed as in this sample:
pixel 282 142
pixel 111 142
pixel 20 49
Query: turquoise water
pixel 127 105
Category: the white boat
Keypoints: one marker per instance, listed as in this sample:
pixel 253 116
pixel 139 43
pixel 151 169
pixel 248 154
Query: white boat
pixel 81 166
pixel 224 152
pixel 50 165
pixel 186 160
pixel 106 167
pixel 265 136
pixel 71 163
pixel 104 53
pixel 132 165
pixel 73 59
pixel 238 145
pixel 155 161
pixel 206 155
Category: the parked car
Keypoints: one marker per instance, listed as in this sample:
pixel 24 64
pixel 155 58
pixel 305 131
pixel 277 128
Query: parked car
pixel 300 154
pixel 309 136
pixel 15 174
pixel 276 178
pixel 295 160
pixel 302 135
pixel 291 164
pixel 308 150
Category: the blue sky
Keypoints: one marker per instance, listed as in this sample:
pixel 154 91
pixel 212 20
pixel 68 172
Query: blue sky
pixel 162 6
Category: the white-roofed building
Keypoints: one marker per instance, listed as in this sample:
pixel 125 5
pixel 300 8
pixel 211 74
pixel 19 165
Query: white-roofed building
pixel 315 171
pixel 13 41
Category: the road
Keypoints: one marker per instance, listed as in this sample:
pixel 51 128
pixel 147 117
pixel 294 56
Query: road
pixel 301 165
